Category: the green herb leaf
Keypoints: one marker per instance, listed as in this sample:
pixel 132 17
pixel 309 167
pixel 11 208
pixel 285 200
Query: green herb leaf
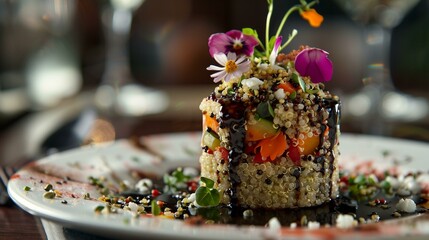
pixel 296 78
pixel 155 209
pixel 175 181
pixel 99 208
pixel 264 110
pixel 292 96
pixel 312 91
pixel 250 31
pixel 209 183
pixel 230 91
pixel 207 197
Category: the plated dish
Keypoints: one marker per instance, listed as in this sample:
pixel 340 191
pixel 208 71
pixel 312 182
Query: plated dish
pixel 155 155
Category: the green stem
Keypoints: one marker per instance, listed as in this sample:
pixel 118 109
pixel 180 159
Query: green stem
pixel 260 44
pixel 291 37
pixel 267 28
pixel 285 17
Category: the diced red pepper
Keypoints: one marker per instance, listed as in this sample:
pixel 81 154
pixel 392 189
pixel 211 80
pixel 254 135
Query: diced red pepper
pixel 225 153
pixel 192 186
pixel 155 193
pixel 294 155
pixel 250 147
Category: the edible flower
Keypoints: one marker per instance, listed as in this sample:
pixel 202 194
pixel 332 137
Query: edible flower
pixel 233 41
pixel 312 16
pixel 314 63
pixel 275 51
pixel 231 66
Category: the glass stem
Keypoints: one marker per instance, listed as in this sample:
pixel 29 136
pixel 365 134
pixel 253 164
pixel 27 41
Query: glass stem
pixel 377 81
pixel 117 70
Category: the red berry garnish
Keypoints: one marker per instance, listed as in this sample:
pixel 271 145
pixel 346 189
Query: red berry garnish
pixel 155 193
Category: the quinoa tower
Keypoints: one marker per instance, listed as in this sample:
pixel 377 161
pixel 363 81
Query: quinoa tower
pixel 270 129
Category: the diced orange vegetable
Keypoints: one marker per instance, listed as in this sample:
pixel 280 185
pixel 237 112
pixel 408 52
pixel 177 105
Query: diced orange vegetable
pixel 262 129
pixel 273 147
pixel 309 144
pixel 287 87
pixel 210 122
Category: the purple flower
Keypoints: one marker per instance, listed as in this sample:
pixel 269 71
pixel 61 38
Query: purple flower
pixel 314 63
pixel 232 41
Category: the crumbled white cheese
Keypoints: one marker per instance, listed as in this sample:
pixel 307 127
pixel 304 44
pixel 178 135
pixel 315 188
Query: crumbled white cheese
pixel 406 205
pixel 144 185
pixel 133 207
pixel 345 221
pixel 293 225
pixel 411 184
pixel 280 94
pixel 274 224
pixel 252 83
pixel 192 197
pixel 313 225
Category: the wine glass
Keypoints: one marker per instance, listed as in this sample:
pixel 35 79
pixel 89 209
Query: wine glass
pixel 118 92
pixel 378 101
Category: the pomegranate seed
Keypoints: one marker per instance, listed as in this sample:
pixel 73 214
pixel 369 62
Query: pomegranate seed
pixel 155 193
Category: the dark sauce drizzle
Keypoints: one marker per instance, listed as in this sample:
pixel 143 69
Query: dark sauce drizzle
pixel 233 114
pixel 333 123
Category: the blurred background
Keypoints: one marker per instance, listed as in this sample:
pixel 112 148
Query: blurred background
pixel 58 60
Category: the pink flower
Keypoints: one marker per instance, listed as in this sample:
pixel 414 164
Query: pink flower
pixel 314 63
pixel 275 51
pixel 232 41
pixel 231 66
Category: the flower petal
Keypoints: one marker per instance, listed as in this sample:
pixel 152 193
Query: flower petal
pixel 221 76
pixel 274 53
pixel 244 67
pixel 218 43
pixel 240 60
pixel 313 17
pixel 215 68
pixel 221 58
pixel 314 63
pixel 214 75
pixel 231 56
pixel 234 34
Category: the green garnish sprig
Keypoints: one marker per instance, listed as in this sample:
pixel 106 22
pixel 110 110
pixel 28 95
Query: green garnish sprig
pixel 175 181
pixel 207 196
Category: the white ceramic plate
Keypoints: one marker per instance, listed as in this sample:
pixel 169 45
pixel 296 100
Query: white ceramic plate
pixel 117 160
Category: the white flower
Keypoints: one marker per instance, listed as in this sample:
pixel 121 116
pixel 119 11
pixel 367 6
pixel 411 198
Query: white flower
pixel 345 221
pixel 406 205
pixel 252 83
pixel 231 66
